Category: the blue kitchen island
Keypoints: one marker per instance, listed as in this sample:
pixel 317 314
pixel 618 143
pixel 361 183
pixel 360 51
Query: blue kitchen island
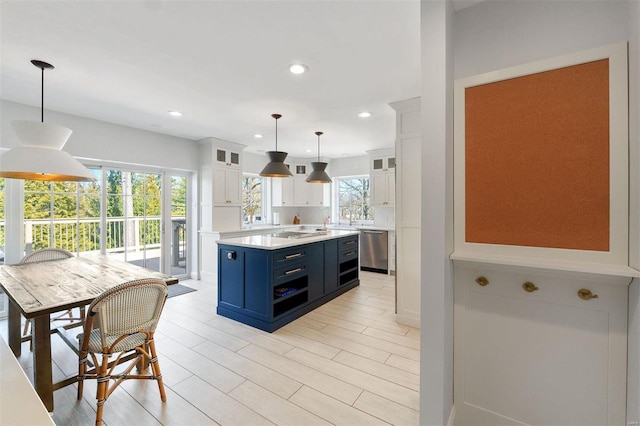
pixel 269 280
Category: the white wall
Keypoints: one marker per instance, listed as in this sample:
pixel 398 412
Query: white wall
pixel 253 163
pixel 633 396
pixel 349 166
pixel 436 292
pixel 498 34
pixel 99 140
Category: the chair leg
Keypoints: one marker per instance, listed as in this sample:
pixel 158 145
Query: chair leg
pixel 101 393
pixel 155 369
pixel 82 370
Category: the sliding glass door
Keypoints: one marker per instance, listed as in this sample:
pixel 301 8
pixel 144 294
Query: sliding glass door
pixel 134 227
pixel 179 241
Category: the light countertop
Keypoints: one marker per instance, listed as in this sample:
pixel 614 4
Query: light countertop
pixel 265 229
pixel 269 242
pixel 19 404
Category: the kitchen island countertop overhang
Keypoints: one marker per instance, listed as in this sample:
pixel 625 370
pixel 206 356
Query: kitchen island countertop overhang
pixel 271 240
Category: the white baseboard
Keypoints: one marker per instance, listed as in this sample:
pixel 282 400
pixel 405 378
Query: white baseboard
pixel 410 321
pixel 208 277
pixel 452 416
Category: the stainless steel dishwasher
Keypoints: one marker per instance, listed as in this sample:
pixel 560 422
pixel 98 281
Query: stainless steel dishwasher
pixel 374 255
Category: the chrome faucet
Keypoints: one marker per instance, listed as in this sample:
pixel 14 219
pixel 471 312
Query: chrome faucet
pixel 350 215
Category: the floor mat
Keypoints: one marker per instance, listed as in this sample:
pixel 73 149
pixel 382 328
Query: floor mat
pixel 178 289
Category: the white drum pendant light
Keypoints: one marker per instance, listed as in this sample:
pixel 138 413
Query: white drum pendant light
pixel 40 156
pixel 318 175
pixel 276 167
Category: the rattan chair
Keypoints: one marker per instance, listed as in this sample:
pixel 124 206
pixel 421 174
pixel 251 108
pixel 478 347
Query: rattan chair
pixel 120 323
pixel 45 255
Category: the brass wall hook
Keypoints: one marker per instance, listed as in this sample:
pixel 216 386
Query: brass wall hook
pixel 483 281
pixel 586 294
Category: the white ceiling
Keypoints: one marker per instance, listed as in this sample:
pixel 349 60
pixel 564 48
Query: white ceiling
pixel 224 64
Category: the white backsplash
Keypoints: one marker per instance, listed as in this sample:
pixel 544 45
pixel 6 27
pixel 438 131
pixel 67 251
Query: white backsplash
pixel 315 215
pixel 384 216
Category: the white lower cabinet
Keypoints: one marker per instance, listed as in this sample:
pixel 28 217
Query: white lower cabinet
pixel 544 357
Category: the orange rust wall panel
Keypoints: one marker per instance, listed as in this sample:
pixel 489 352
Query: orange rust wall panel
pixel 537 159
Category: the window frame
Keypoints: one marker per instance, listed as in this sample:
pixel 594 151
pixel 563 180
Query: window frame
pixel 337 209
pixel 265 197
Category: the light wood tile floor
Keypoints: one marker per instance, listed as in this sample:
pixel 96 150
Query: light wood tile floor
pixel 346 363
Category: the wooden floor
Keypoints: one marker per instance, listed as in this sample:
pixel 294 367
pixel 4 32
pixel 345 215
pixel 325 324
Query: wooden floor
pixel 346 363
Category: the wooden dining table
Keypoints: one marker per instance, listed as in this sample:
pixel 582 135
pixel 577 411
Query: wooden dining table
pixel 36 290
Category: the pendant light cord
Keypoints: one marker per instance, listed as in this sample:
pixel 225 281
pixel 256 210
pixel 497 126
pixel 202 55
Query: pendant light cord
pixel 42 65
pixel 276 116
pixel 42 97
pixel 318 134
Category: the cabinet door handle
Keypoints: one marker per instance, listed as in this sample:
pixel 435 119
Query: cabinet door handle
pixel 293 256
pixel 348 243
pixel 293 271
pixel 351 253
pixel 530 287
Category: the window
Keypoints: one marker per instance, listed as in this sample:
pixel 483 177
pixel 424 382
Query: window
pixel 62 214
pixel 353 199
pixel 252 199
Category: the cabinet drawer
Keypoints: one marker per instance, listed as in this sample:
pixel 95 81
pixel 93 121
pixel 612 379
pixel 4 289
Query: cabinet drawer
pixel 348 243
pixel 289 272
pixel 348 254
pixel 289 256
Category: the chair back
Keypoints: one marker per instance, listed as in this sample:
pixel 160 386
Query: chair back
pixel 128 308
pixel 46 254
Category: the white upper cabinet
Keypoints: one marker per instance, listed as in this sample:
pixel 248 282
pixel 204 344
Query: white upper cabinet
pixel 227 186
pixel 382 177
pixel 381 163
pixel 220 185
pixel 297 192
pixel 227 157
pixel 227 173
pixel 383 189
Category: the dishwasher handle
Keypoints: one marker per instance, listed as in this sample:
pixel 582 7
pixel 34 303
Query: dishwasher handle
pixel 372 232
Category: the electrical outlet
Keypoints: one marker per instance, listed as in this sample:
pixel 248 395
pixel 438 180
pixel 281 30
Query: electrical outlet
pixel 632 424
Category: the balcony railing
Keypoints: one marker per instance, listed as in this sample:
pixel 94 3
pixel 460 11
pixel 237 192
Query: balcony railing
pixel 83 235
pixel 130 235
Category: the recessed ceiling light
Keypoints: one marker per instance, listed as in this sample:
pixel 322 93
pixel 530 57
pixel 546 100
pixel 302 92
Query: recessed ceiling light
pixel 298 68
pixel 364 114
pixel 257 136
pixel 308 150
pixel 175 113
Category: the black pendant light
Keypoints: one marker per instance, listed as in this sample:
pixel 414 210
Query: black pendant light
pixel 276 167
pixel 40 155
pixel 318 175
